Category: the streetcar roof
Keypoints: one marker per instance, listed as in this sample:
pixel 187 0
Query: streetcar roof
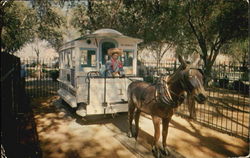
pixel 107 33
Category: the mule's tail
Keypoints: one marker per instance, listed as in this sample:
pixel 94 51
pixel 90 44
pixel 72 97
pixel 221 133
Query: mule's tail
pixel 129 92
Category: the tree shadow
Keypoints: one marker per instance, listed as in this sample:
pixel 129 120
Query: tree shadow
pixel 58 141
pixel 208 142
pixel 41 87
pixel 142 146
pixel 145 139
pixel 224 113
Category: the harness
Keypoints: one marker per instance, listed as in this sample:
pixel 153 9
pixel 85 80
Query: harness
pixel 163 95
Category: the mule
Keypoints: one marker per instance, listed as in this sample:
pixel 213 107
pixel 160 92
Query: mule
pixel 159 100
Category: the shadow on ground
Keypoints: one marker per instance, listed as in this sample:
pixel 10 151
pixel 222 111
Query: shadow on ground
pixel 64 134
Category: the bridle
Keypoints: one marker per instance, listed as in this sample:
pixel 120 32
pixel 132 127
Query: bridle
pixel 163 94
pixel 187 86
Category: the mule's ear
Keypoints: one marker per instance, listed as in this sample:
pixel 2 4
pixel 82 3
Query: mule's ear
pixel 196 59
pixel 183 63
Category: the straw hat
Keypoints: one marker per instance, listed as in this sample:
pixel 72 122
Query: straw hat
pixel 111 51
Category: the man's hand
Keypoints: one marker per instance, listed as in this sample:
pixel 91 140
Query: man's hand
pixel 115 74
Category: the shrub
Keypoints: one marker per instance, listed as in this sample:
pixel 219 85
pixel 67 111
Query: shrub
pixel 223 83
pixel 245 76
pixel 54 74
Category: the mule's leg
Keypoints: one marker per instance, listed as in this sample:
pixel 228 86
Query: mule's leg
pixel 131 109
pixel 157 123
pixel 137 117
pixel 165 124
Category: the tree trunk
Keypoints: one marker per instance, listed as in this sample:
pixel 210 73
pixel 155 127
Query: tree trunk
pixel 157 66
pixel 89 12
pixel 207 73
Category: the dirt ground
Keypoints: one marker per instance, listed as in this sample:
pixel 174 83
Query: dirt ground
pixel 64 135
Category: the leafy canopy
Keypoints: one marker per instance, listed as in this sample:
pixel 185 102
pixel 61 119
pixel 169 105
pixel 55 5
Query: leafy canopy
pixel 22 22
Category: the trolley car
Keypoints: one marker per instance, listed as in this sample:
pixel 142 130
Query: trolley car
pixel 82 65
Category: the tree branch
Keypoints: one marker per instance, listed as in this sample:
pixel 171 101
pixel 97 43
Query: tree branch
pixel 199 37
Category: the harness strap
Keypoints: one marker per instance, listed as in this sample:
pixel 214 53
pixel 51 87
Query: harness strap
pixel 165 96
pixel 185 85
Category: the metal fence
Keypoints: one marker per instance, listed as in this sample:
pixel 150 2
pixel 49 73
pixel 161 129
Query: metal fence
pixel 16 115
pixel 227 108
pixel 41 77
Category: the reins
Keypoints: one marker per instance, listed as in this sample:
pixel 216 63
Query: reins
pixel 185 85
pixel 163 94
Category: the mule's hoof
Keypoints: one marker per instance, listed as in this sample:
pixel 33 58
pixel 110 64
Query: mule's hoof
pixel 165 152
pixel 129 134
pixel 136 136
pixel 156 152
pixel 81 112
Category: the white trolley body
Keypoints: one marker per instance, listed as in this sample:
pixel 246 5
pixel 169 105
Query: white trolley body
pixel 82 64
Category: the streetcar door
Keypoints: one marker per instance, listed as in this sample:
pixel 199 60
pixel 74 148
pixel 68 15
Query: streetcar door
pixel 104 51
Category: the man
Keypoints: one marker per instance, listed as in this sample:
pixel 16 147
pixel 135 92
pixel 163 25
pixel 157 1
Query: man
pixel 114 66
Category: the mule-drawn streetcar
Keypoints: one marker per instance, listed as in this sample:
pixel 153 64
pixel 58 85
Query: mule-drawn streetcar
pixel 83 81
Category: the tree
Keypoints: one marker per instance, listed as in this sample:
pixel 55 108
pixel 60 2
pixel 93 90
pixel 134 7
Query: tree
pixel 189 26
pixel 238 50
pixel 209 25
pixel 141 19
pixel 22 22
pixel 97 14
pixel 16 25
pixel 49 22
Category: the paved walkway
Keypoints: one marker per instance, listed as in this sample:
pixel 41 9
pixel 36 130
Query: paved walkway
pixel 63 135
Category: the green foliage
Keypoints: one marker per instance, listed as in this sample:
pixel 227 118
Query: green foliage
pixel 238 50
pixel 81 20
pixel 209 25
pixel 22 22
pixel 151 21
pixel 18 20
pixel 142 19
pixel 190 26
pixel 245 76
pixel 49 22
pixel 31 72
pixel 149 79
pixel 54 74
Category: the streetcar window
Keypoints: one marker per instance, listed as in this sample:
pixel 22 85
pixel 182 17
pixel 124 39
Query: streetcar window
pixel 127 57
pixel 87 58
pixel 83 58
pixel 73 58
pixel 67 58
pixel 61 59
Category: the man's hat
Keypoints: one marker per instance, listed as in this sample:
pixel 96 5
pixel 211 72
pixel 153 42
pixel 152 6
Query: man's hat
pixel 111 51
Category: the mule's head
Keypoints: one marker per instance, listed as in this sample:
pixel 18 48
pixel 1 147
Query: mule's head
pixel 191 80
